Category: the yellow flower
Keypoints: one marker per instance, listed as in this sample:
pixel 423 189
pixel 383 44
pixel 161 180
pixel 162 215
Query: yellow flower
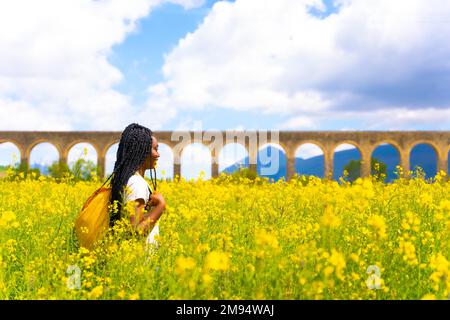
pixel 182 264
pixel 409 252
pixel 355 276
pixel 411 221
pixel 255 228
pixel 96 292
pixel 328 270
pixel 8 219
pixel 329 218
pixel 134 296
pixel 192 285
pixel 121 294
pixel 202 247
pixel 266 240
pixel 217 260
pixel 41 292
pixel 354 257
pixel 338 261
pixel 439 263
pixel 426 200
pixel 378 224
pixel 207 279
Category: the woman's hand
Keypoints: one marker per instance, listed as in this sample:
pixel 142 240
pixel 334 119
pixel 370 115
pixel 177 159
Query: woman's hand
pixel 156 199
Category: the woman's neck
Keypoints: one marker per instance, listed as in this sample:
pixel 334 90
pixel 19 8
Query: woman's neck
pixel 141 171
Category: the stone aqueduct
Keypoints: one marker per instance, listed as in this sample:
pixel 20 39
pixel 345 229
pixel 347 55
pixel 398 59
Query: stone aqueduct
pixel 364 141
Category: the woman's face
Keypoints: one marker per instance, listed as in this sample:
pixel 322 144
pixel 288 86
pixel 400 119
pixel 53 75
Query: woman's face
pixel 151 161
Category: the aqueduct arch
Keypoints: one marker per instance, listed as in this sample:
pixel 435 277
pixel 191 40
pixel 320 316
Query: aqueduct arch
pixel 365 141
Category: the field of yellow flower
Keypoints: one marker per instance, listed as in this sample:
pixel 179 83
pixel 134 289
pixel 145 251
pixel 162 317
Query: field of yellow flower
pixel 235 239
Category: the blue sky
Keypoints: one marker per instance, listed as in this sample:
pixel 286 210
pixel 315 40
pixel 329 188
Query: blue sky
pixel 141 56
pixel 275 64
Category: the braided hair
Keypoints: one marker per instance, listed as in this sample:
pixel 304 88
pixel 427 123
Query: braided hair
pixel 134 147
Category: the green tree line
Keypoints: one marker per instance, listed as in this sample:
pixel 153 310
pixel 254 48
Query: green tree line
pixel 82 169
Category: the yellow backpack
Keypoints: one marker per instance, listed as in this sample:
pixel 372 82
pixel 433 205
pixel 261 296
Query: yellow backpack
pixel 93 220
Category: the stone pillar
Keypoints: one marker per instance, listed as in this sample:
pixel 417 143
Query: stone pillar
pixel 404 161
pixel 214 162
pixel 101 160
pixel 24 156
pixel 442 161
pixel 64 156
pixel 214 169
pixel 328 162
pixel 176 170
pixel 253 158
pixel 177 150
pixel 365 162
pixel 290 163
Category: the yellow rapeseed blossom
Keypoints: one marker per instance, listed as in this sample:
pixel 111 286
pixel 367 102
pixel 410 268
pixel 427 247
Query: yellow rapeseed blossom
pixel 121 294
pixel 266 240
pixel 217 260
pixel 378 224
pixel 329 218
pixel 96 292
pixel 8 219
pixel 338 261
pixel 134 296
pixel 411 222
pixel 441 267
pixel 207 279
pixel 183 264
pixel 409 252
pixel 232 237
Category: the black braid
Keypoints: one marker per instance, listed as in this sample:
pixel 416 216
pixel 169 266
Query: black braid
pixel 134 146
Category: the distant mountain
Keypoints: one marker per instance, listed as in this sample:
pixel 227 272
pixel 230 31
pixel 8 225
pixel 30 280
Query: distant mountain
pixel 422 155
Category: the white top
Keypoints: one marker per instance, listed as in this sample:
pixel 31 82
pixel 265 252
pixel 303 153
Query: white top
pixel 138 188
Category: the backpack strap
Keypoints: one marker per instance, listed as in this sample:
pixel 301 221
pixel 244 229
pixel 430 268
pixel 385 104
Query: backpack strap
pixel 148 205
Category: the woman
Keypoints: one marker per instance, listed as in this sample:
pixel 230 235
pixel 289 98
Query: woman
pixel 137 152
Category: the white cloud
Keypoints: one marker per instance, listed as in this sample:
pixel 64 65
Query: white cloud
pixel 54 68
pixel 9 154
pixel 188 123
pixel 299 123
pixel 397 118
pixel 374 59
pixel 188 4
pixel 78 152
pixel 194 159
pixel 308 150
pixel 344 146
pixel 43 154
pixel 275 57
pixel 230 154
